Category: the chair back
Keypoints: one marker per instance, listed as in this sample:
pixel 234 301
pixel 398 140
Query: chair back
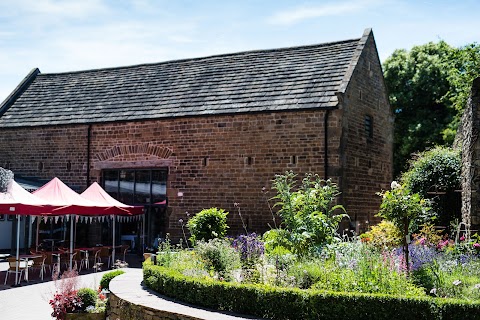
pixel 49 258
pixel 12 264
pixel 39 261
pixel 104 252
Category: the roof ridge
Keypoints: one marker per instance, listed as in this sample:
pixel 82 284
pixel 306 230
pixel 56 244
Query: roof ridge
pixel 204 57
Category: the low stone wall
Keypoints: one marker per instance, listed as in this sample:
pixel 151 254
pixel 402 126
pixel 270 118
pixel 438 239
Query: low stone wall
pixel 124 310
pixel 130 300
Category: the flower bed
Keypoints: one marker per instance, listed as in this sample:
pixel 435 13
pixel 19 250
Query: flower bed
pixel 292 303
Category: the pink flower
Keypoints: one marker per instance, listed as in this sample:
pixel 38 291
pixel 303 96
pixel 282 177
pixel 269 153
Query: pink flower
pixel 462 238
pixel 476 245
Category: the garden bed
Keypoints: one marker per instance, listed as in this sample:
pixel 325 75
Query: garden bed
pixel 292 303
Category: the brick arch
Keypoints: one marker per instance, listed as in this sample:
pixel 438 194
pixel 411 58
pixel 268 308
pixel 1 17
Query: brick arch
pixel 144 148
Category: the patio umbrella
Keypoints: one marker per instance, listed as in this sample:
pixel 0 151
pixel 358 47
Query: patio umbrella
pixel 18 201
pixel 58 193
pixel 98 195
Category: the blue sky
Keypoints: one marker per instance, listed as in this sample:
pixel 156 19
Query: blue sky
pixel 60 36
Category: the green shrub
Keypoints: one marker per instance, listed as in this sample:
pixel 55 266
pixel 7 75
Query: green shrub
pixel 290 303
pixel 107 277
pixel 88 297
pixel 208 224
pixel 309 215
pixel 219 256
pixel 383 235
pixel 437 169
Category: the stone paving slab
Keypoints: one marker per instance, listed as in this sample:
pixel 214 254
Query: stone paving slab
pixel 129 287
pixel 30 301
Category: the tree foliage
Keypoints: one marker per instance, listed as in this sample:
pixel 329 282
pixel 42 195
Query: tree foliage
pixel 433 170
pixel 428 91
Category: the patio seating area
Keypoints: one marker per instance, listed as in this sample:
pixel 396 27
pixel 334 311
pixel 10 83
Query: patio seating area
pixel 39 267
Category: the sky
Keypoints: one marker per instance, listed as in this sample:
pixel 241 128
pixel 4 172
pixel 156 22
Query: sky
pixel 61 36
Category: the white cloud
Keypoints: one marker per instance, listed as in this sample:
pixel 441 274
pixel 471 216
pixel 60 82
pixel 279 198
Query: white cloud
pixel 292 16
pixel 64 9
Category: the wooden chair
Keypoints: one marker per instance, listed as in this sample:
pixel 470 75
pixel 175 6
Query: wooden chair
pixel 146 256
pixel 12 267
pixel 124 250
pixel 104 253
pixel 39 263
pixel 49 262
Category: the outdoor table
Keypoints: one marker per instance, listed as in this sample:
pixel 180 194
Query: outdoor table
pixel 129 237
pixel 26 258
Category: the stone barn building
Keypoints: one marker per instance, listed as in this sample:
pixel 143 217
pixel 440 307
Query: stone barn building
pixel 180 136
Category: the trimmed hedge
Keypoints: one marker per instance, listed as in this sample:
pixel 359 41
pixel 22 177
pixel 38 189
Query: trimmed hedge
pixel 107 277
pixel 292 303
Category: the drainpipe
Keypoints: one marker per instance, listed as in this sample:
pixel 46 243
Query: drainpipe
pixel 325 128
pixel 89 142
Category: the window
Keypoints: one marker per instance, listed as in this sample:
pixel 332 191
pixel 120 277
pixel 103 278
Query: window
pixel 369 127
pixel 139 187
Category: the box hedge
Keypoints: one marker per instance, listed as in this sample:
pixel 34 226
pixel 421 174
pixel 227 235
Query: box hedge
pixel 292 303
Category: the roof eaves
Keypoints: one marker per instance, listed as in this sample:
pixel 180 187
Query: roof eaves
pixel 353 63
pixel 18 90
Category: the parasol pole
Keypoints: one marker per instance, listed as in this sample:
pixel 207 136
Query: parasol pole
pixel 113 249
pixel 71 240
pixel 17 258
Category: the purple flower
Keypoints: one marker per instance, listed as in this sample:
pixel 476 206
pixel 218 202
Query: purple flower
pixel 250 248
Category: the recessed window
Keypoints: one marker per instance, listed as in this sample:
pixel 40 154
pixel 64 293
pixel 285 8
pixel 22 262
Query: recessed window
pixel 205 161
pixel 69 166
pixel 293 160
pixel 369 127
pixel 248 161
pixel 40 166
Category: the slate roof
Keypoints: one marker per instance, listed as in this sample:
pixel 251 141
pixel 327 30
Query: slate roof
pixel 255 81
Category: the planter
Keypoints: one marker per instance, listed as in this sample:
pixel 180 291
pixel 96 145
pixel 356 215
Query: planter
pixel 86 316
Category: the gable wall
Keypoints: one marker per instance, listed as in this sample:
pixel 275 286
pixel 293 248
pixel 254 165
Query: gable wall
pixel 367 162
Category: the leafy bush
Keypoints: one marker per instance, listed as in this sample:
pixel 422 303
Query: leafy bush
pixel 383 235
pixel 208 224
pixel 65 298
pixel 218 256
pixel 309 216
pixel 291 303
pixel 88 297
pixel 107 277
pixel 437 169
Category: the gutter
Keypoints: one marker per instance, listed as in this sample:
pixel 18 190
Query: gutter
pixel 89 145
pixel 325 149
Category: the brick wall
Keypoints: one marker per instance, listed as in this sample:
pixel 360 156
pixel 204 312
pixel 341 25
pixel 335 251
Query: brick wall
pixel 213 161
pixel 367 162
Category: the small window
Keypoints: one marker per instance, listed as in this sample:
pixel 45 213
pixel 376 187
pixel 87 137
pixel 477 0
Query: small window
pixel 205 161
pixel 2 217
pixel 369 126
pixel 293 160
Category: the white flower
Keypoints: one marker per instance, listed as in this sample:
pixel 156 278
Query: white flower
pixel 434 291
pixel 457 282
pixel 395 185
pixel 477 286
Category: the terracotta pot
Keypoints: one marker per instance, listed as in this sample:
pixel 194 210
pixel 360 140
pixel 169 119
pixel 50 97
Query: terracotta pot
pixel 86 316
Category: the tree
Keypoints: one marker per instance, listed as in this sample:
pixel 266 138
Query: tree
pixel 406 210
pixel 428 91
pixel 417 81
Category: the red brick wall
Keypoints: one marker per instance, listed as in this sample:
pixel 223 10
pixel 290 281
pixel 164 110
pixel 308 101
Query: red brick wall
pixel 269 139
pixel 367 162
